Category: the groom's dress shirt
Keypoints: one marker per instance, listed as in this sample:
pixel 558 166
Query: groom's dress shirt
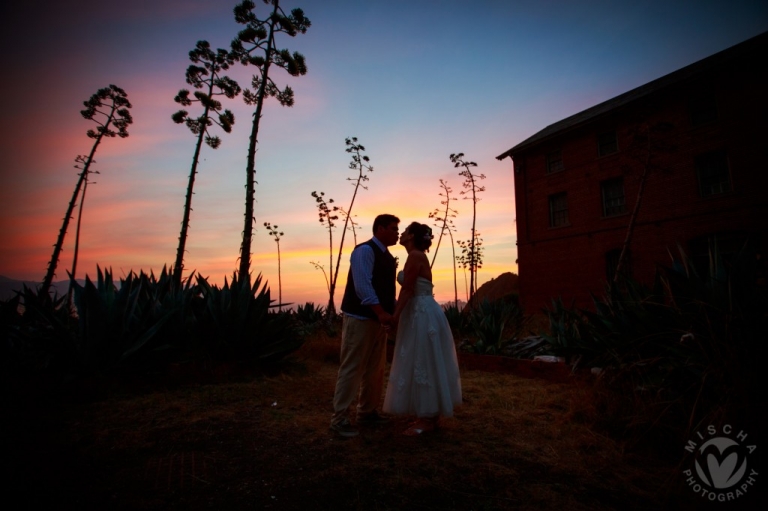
pixel 361 263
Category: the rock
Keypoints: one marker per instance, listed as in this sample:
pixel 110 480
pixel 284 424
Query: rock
pixel 501 287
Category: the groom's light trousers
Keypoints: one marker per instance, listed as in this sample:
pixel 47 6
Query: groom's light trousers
pixel 361 371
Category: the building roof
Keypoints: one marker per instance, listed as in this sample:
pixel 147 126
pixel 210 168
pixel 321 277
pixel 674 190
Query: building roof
pixel 755 44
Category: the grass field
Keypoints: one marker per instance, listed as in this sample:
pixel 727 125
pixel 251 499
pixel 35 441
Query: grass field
pixel 234 438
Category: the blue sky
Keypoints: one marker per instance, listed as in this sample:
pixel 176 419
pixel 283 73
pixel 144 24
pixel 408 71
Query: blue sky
pixel 414 80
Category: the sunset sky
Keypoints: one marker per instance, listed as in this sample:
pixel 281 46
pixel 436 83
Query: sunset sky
pixel 414 80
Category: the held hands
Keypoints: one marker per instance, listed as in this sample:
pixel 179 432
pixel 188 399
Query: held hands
pixel 385 319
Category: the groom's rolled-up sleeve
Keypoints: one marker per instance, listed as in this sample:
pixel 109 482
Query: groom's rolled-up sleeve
pixel 361 261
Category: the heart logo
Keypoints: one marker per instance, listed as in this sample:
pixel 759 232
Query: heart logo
pixel 725 463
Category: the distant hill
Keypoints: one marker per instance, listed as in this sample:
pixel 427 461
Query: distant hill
pixel 461 304
pixel 504 285
pixel 8 286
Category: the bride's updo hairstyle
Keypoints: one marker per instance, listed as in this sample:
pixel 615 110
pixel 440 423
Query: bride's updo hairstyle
pixel 422 235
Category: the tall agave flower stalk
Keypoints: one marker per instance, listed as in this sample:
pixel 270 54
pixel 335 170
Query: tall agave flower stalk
pixel 255 46
pixel 276 235
pixel 205 75
pixel 360 163
pixel 73 274
pixel 109 109
pixel 472 187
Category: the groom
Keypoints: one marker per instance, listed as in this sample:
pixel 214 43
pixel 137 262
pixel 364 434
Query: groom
pixel 368 305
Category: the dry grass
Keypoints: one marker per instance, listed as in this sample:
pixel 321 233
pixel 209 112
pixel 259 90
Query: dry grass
pixel 261 441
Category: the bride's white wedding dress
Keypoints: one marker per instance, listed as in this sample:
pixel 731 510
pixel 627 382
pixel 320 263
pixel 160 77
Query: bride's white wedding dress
pixel 424 379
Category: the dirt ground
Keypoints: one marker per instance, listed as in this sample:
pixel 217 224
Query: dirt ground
pixel 237 438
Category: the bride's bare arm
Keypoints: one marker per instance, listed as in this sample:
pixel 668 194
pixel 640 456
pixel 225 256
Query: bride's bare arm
pixel 411 271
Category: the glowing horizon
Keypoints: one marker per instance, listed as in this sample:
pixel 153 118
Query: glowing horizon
pixel 407 88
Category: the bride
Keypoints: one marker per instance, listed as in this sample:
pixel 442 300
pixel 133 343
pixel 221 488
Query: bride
pixel 424 379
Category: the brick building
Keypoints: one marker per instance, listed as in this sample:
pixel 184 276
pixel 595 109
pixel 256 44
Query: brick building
pixel 700 136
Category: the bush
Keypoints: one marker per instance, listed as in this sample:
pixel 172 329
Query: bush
pixel 494 324
pixel 528 348
pixel 141 324
pixel 38 334
pixel 690 348
pixel 236 322
pixel 129 326
pixel 455 318
pixel 309 317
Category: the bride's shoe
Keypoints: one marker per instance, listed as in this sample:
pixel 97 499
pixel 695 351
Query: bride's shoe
pixel 421 426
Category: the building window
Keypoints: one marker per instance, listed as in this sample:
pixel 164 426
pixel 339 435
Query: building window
pixel 713 174
pixel 606 143
pixel 558 210
pixel 702 110
pixel 612 263
pixel 613 197
pixel 554 161
pixel 718 251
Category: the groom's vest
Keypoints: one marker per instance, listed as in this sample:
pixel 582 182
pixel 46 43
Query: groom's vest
pixel 383 281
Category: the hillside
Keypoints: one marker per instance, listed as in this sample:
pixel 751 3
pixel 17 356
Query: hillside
pixel 8 286
pixel 500 287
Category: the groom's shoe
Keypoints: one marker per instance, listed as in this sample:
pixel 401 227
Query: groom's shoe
pixel 371 419
pixel 345 429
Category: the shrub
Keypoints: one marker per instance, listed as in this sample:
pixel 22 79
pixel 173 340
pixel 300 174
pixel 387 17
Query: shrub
pixel 527 348
pixel 494 324
pixel 236 322
pixel 141 323
pixel 122 327
pixel 309 317
pixel 38 334
pixel 689 349
pixel 455 318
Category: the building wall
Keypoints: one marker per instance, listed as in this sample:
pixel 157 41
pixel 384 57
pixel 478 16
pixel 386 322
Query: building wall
pixel 569 261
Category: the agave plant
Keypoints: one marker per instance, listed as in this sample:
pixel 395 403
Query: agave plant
pixel 528 348
pixel 494 324
pixel 455 317
pixel 309 313
pixel 566 331
pixel 309 316
pixel 237 321
pixel 120 326
pixel 38 334
pixel 693 342
pixel 725 318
